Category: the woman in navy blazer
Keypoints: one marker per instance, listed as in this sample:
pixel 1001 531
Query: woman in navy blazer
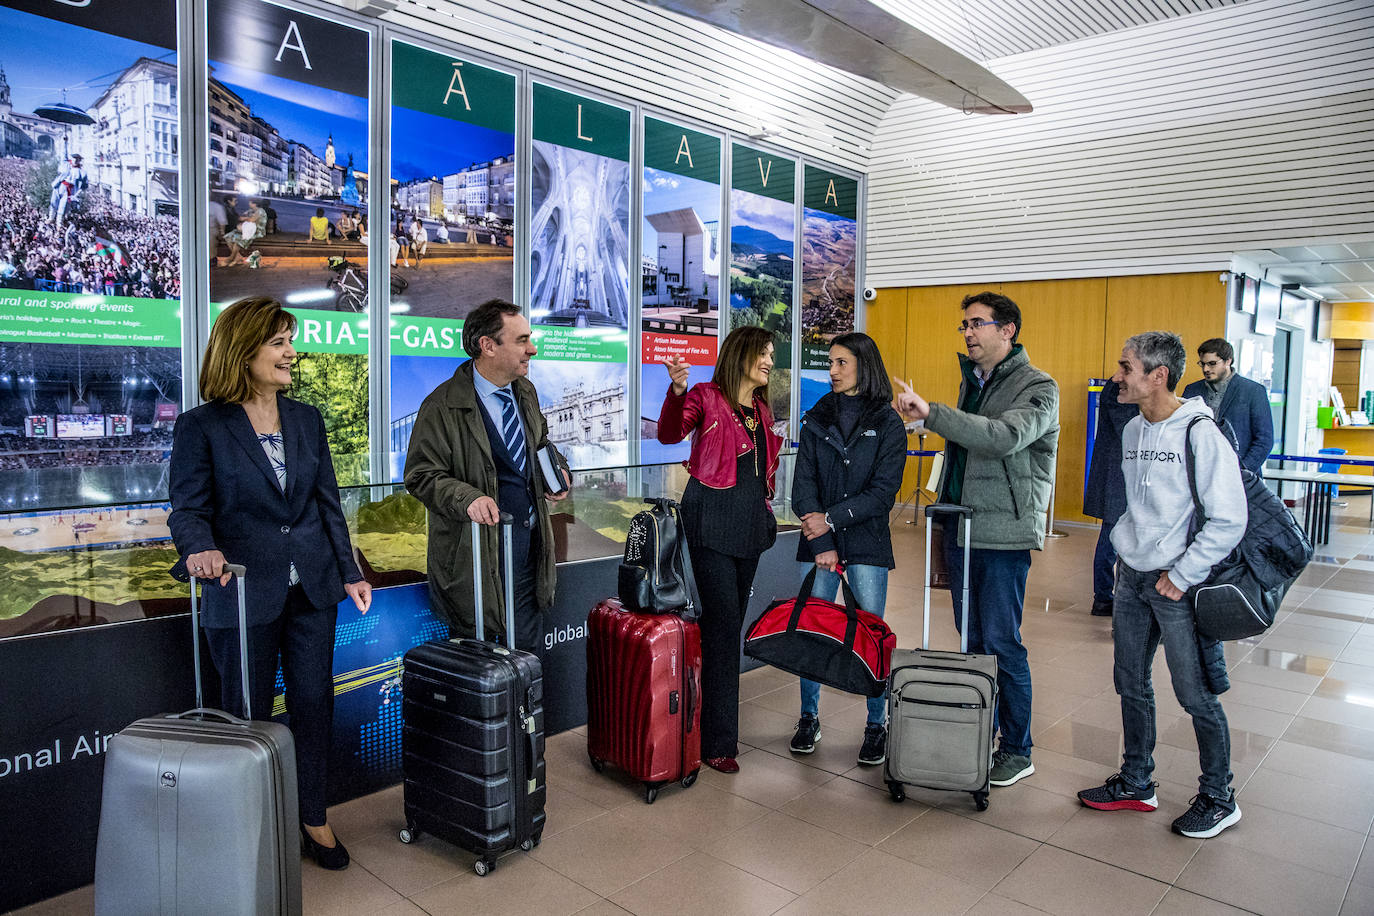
pixel 252 483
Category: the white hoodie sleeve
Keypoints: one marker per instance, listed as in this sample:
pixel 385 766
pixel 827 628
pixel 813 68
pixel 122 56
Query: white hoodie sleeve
pixel 1217 471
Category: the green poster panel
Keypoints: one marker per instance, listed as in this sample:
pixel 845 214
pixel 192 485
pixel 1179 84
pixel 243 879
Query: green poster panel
pixel 828 266
pixel 682 151
pixel 447 87
pixel 763 173
pixel 835 194
pixel 581 123
pixel 27 316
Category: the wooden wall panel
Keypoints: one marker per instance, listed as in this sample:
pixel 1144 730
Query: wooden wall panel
pixel 1065 324
pixel 1192 305
pixel 1073 330
pixel 886 321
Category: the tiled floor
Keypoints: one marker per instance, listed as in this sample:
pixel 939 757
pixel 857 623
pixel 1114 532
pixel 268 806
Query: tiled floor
pixel 819 835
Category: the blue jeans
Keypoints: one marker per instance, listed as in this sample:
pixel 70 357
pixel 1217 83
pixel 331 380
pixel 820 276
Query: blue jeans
pixel 997 594
pixel 1141 620
pixel 869 585
pixel 1104 564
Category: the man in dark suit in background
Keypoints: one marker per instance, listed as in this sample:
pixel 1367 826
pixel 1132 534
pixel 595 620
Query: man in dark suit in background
pixel 1104 496
pixel 1243 404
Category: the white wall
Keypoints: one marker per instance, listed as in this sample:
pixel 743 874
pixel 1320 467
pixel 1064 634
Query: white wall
pixel 1161 148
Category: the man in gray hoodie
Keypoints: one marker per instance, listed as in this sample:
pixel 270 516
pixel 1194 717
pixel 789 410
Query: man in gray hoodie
pixel 1161 557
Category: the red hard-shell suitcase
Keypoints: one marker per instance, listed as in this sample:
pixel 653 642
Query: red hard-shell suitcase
pixel 644 695
pixel 472 743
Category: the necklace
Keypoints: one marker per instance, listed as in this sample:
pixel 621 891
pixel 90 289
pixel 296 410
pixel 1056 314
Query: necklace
pixel 751 423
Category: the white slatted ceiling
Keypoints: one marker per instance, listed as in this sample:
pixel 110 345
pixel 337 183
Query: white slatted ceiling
pixel 1165 147
pixel 989 29
pixel 670 63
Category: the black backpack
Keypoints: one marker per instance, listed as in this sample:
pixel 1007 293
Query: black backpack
pixel 1243 592
pixel 656 575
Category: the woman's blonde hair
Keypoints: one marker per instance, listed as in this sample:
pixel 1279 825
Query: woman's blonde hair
pixel 237 335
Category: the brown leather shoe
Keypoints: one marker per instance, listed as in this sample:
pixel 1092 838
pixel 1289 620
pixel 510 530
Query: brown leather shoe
pixel 723 764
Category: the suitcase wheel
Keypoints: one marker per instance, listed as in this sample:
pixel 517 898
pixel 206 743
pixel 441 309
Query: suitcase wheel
pixel 597 765
pixel 650 793
pixel 483 867
pixel 898 792
pixel 409 834
pixel 527 844
pixel 689 779
pixel 980 800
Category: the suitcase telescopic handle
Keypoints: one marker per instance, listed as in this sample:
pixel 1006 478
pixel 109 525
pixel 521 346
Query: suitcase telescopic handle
pixel 239 572
pixel 965 513
pixel 508 588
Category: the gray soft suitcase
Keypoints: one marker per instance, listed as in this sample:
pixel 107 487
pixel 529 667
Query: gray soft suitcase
pixel 940 705
pixel 198 813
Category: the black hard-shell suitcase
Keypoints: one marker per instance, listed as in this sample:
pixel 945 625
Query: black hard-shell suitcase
pixel 940 705
pixel 472 743
pixel 199 813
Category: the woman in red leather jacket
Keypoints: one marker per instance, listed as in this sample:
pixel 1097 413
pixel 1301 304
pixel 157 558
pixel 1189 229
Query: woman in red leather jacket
pixel 726 512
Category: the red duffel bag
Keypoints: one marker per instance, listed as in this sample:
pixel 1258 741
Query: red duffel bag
pixel 833 644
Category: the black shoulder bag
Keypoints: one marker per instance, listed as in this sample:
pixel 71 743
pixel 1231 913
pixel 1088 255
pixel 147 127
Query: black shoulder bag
pixel 1242 594
pixel 656 576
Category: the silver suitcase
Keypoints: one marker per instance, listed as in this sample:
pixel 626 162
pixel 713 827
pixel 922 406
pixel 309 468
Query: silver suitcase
pixel 199 811
pixel 940 705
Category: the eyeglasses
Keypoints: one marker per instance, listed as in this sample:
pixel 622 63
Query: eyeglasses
pixel 1209 363
pixel 975 324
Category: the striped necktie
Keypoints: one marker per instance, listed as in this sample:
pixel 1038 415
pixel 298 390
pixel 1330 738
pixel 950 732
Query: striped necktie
pixel 512 434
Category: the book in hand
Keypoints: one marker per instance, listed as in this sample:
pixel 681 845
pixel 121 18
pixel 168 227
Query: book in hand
pixel 552 465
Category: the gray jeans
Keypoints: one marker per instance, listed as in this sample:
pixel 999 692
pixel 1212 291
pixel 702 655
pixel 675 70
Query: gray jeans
pixel 1142 619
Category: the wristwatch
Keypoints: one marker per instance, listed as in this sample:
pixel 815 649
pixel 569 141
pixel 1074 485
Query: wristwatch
pixel 828 522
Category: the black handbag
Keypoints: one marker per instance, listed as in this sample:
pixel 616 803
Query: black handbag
pixel 655 576
pixel 1242 594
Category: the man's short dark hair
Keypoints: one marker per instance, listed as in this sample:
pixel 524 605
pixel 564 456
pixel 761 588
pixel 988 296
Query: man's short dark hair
pixel 1159 348
pixel 1004 311
pixel 1215 345
pixel 486 320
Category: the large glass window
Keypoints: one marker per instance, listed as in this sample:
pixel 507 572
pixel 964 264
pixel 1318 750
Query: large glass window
pixel 452 227
pixel 679 269
pixel 763 256
pixel 580 273
pixel 830 235
pixel 90 255
pixel 289 216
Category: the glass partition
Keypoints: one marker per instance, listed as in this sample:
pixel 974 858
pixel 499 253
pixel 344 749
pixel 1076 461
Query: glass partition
pixel 105 564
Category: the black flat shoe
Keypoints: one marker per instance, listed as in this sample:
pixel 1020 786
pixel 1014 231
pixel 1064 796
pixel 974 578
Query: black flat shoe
pixel 333 857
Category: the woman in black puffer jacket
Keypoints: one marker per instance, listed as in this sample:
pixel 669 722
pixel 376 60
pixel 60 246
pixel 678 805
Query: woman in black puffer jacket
pixel 849 469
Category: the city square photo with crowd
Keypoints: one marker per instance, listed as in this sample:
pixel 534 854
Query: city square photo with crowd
pixel 90 248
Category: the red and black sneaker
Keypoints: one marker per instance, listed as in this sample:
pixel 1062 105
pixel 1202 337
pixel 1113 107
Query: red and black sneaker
pixel 1118 795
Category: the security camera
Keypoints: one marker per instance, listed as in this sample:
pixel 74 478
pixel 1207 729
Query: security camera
pixel 870 294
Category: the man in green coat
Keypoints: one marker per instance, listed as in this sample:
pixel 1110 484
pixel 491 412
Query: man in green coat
pixel 1000 446
pixel 472 455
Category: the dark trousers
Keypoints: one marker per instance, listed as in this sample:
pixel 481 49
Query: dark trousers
pixel 303 637
pixel 997 595
pixel 1104 564
pixel 725 583
pixel 525 545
